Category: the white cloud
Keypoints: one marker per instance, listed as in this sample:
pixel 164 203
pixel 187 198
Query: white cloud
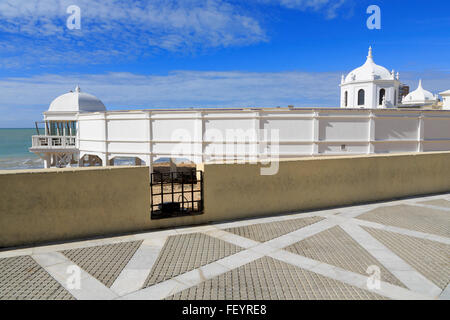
pixel 24 99
pixel 330 7
pixel 114 28
pixel 35 32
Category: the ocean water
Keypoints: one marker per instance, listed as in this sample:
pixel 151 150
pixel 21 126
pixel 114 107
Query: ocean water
pixel 14 154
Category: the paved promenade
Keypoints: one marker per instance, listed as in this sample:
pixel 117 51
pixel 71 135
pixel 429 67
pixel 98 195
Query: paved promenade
pixel 389 250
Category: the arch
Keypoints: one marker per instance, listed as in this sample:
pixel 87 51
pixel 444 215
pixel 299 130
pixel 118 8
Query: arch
pixel 89 160
pixel 126 161
pixel 346 98
pixel 381 96
pixel 361 97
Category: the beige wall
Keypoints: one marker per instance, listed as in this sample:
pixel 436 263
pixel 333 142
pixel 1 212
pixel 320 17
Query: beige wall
pixel 57 204
pixel 239 190
pixel 60 204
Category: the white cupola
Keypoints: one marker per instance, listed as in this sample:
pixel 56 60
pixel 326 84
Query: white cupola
pixel 370 86
pixel 420 97
pixel 76 101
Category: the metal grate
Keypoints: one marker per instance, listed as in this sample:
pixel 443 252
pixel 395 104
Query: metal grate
pixel 175 194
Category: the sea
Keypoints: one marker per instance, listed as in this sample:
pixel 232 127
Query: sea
pixel 14 154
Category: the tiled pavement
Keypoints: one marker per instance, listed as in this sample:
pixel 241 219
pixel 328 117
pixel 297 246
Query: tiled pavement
pixel 328 254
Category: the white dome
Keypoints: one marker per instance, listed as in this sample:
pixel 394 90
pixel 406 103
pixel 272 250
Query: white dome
pixel 419 96
pixel 369 71
pixel 76 101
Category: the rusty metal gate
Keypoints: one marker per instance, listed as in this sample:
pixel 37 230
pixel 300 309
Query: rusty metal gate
pixel 175 194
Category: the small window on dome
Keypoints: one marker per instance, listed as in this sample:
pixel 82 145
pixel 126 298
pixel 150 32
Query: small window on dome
pixel 361 97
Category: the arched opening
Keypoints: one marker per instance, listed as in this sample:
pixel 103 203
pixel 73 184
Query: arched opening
pixel 89 160
pixel 346 98
pixel 395 97
pixel 126 161
pixel 382 95
pixel 361 97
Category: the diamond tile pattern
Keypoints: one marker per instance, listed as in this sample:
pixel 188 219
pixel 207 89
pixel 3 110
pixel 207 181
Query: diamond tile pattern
pixel 183 253
pixel 270 279
pixel 21 278
pixel 420 219
pixel 104 262
pixel 335 247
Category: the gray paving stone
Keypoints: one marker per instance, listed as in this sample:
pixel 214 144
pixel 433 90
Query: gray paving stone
pixel 430 258
pixel 21 278
pixel 183 253
pixel 413 218
pixel 267 231
pixel 104 262
pixel 335 247
pixel 270 279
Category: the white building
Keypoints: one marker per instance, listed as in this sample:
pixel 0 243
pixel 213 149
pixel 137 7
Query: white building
pixel 445 99
pixel 79 129
pixel 370 87
pixel 58 144
pixel 420 97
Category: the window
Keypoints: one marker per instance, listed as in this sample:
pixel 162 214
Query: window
pixel 346 98
pixel 395 98
pixel 361 97
pixel 382 95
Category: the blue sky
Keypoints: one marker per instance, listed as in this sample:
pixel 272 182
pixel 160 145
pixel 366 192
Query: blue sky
pixel 210 53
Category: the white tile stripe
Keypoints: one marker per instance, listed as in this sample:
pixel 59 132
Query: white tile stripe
pixel 133 276
pixel 429 206
pixel 407 232
pixel 414 280
pixel 56 264
pixel 232 238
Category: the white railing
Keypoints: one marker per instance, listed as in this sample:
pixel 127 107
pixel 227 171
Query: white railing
pixel 54 142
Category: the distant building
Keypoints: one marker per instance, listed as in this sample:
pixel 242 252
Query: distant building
pixel 445 99
pixel 420 97
pixel 403 92
pixel 370 87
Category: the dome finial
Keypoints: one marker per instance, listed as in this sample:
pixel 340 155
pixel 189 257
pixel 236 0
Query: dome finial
pixel 420 83
pixel 77 88
pixel 370 56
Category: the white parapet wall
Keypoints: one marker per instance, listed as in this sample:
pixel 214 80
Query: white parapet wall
pixel 204 135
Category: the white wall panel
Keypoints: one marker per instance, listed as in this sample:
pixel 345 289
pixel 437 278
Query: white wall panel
pixel 350 129
pixel 396 129
pixel 132 130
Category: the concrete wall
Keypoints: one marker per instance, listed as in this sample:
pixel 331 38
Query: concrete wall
pixel 239 190
pixel 63 204
pixel 59 204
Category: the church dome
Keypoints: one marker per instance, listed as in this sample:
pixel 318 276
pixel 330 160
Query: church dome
pixel 419 96
pixel 369 71
pixel 76 101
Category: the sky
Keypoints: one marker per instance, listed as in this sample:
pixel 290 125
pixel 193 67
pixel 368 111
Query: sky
pixel 139 54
